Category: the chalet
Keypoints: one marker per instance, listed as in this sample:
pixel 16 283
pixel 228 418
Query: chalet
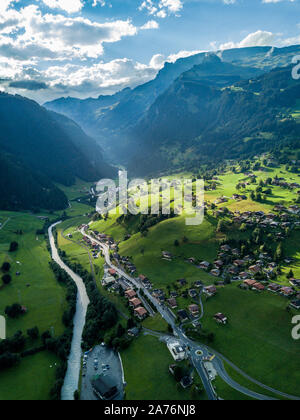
pixel 220 318
pixel 295 283
pixel 259 287
pixel 183 315
pixel 112 272
pixel 204 265
pixel 194 310
pixel 243 275
pixel 193 293
pixel 198 284
pixel 295 304
pixel 287 291
pixel 274 288
pixel 215 273
pixel 167 256
pixel 135 303
pixel 210 290
pixel 172 303
pixel 249 283
pixel 130 294
pixel 225 248
pixel 141 313
pixel 239 263
pixel 133 332
pixel 255 269
pixel 218 264
pixel 186 381
pixel 182 282
pixel 108 281
pixel 232 270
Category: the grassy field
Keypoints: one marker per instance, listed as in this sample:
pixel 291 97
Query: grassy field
pixel 258 337
pixel 31 380
pixel 36 289
pixel 147 376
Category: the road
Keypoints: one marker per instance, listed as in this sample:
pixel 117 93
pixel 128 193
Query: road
pixel 5 223
pixel 197 360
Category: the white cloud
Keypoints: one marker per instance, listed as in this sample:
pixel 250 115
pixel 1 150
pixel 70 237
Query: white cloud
pixel 70 6
pixel 162 8
pixel 259 38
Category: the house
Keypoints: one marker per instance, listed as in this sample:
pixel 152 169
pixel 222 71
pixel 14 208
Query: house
pixel 295 283
pixel 130 294
pixel 167 256
pixel 198 284
pixel 243 275
pixel 133 332
pixel 215 272
pixel 255 269
pixel 193 293
pixel 220 318
pixel 105 388
pixel 194 310
pixel 182 282
pixel 112 272
pixel 218 264
pixel 183 315
pixel 186 381
pixel 259 287
pixel 210 290
pixel 295 304
pixel 177 350
pixel 287 291
pixel 135 303
pixel 172 303
pixel 141 313
pixel 274 288
pixel 225 248
pixel 204 265
pixel 108 281
pixel 239 263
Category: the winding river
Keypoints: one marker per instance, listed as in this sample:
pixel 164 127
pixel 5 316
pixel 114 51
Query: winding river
pixel 74 362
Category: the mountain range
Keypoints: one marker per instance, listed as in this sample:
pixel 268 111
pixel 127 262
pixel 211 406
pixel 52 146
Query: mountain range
pixel 38 149
pixel 118 121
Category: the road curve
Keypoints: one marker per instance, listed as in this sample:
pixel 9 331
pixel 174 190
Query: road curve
pixel 74 362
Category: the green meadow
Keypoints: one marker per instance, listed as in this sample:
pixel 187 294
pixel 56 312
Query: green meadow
pixel 36 289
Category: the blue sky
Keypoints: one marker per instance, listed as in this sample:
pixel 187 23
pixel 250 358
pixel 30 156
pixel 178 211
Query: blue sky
pixel 82 48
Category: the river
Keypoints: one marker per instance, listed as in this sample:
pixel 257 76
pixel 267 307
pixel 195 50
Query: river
pixel 74 362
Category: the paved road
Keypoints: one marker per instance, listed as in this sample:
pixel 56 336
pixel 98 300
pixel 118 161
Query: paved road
pixel 107 357
pixel 163 310
pixel 194 347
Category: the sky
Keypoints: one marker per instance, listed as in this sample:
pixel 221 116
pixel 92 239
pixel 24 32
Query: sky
pixel 87 48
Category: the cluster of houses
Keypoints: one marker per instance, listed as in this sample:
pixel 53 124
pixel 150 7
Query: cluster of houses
pixel 136 304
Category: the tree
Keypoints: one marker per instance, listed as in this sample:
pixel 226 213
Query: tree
pixel 6 279
pixel 5 267
pixel 13 246
pixel 278 253
pixel 33 333
pixel 290 275
pixel 14 311
pixel 176 243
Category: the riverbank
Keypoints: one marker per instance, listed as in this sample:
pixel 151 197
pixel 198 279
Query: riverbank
pixel 74 362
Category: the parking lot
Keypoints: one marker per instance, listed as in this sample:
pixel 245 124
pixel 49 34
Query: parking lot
pixel 101 361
